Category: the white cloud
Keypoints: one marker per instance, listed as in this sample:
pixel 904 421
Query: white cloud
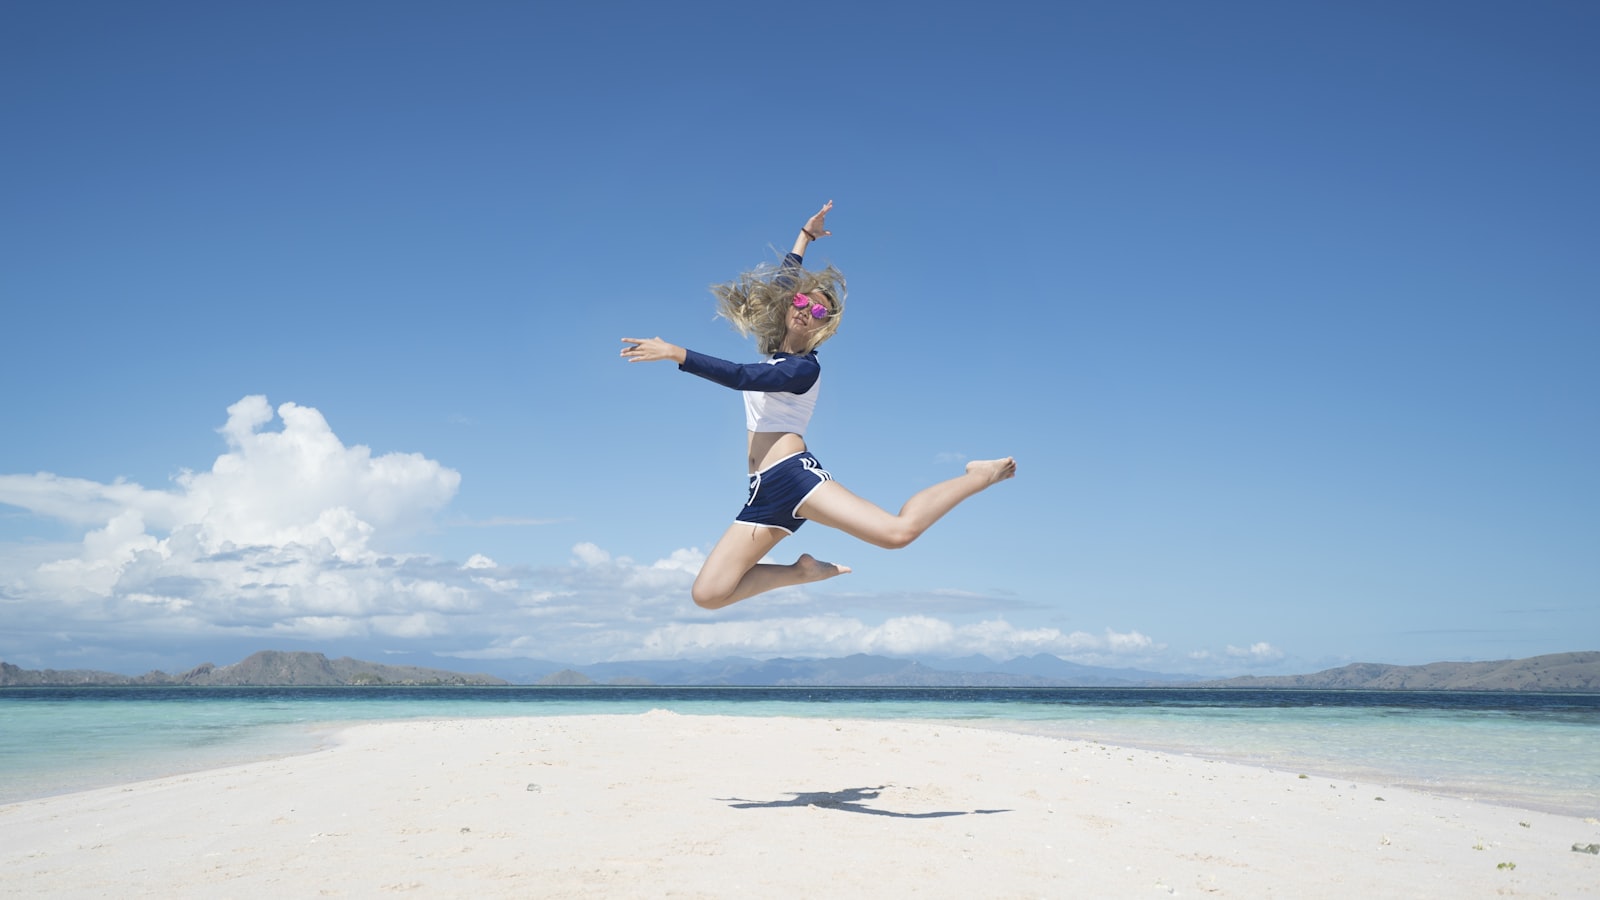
pixel 828 635
pixel 302 485
pixel 299 486
pixel 590 556
pixel 81 502
pixel 1258 653
pixel 277 535
pixel 1132 642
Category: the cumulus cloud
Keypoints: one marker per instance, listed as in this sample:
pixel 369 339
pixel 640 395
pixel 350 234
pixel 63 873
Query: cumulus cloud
pixel 335 493
pixel 277 534
pixel 298 486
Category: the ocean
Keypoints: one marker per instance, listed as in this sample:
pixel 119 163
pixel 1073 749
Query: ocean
pixel 1538 751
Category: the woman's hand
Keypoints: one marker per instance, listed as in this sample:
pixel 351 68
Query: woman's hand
pixel 652 349
pixel 817 226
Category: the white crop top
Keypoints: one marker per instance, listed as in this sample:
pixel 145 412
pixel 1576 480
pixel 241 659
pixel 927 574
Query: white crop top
pixel 779 410
pixel 780 393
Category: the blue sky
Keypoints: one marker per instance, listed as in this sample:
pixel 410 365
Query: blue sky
pixel 1287 311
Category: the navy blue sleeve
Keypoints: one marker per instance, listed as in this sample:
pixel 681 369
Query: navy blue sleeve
pixel 782 373
pixel 791 262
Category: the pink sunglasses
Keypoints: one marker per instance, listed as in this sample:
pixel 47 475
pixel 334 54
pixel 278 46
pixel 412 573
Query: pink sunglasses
pixel 818 310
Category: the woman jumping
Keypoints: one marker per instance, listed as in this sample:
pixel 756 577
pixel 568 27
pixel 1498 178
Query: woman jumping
pixel 791 311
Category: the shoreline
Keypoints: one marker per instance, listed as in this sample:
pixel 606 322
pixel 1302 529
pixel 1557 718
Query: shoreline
pixel 723 806
pixel 1521 797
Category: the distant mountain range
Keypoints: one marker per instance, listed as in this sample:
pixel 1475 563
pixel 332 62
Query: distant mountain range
pixel 1574 672
pixel 269 667
pixel 1569 672
pixel 863 670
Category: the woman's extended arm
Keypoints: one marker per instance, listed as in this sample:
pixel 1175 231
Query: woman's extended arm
pixel 787 372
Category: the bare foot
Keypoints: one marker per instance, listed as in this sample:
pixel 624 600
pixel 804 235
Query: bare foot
pixel 994 471
pixel 812 569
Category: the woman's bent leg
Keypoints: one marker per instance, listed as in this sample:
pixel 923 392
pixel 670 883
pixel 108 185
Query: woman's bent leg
pixel 734 570
pixel 833 505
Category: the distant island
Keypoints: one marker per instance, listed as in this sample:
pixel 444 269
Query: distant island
pixel 1577 672
pixel 1564 672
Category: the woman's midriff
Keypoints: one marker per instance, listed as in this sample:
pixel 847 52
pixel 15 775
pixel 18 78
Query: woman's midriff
pixel 767 447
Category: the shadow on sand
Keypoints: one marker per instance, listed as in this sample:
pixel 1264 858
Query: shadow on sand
pixel 849 800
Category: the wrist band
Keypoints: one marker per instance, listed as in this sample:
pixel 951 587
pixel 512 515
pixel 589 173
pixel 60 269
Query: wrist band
pixel 807 232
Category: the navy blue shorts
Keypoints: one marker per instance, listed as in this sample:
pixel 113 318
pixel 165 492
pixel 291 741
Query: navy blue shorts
pixel 777 491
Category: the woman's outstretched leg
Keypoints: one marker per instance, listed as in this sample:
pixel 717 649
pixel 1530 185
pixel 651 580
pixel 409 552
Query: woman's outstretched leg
pixel 835 506
pixel 734 570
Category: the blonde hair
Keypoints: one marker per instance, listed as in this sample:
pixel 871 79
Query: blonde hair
pixel 758 302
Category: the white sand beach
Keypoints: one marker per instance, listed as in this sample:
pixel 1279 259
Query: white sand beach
pixel 668 805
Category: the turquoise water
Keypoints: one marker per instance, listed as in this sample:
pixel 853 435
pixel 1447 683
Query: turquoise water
pixel 1535 750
